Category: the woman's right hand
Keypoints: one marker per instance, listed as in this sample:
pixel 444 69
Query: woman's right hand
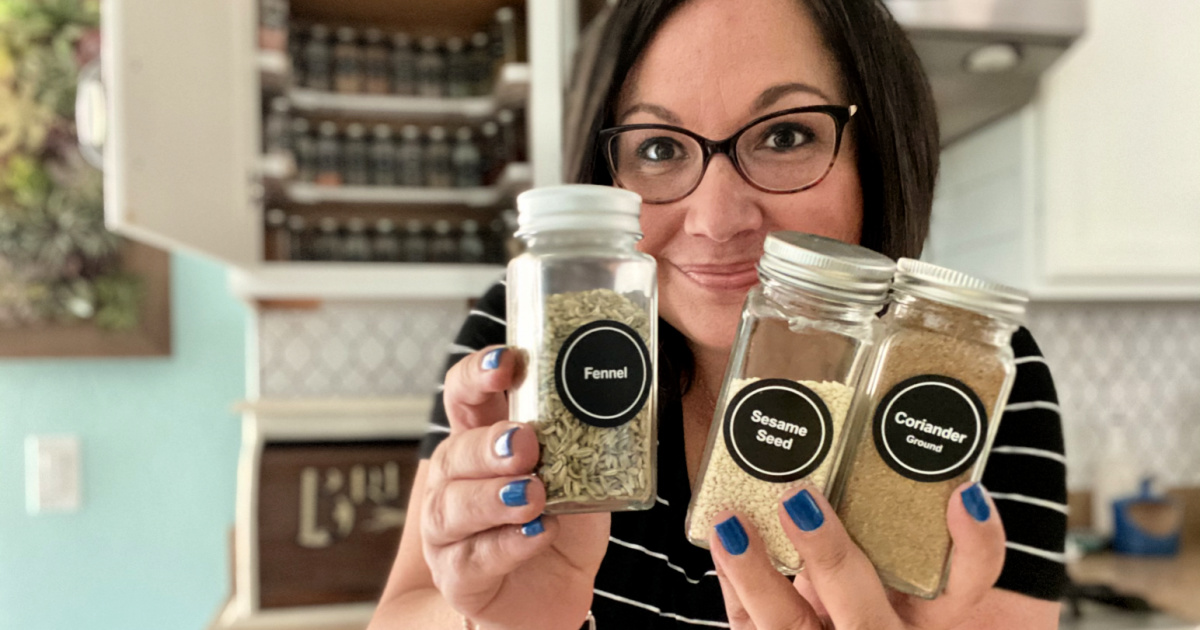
pixel 493 556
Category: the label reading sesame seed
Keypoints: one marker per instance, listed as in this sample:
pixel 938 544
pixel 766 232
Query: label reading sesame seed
pixel 602 373
pixel 930 428
pixel 778 430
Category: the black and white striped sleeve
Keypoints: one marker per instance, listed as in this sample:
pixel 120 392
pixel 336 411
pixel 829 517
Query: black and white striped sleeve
pixel 483 327
pixel 1026 475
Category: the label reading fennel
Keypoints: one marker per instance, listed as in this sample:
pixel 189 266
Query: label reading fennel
pixel 930 428
pixel 778 430
pixel 602 373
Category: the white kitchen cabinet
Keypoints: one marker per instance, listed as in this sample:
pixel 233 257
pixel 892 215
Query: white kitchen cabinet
pixel 179 161
pixel 183 166
pixel 1092 191
pixel 1121 151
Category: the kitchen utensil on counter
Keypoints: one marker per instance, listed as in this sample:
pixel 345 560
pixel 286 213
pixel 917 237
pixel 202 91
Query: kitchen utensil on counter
pixel 1148 524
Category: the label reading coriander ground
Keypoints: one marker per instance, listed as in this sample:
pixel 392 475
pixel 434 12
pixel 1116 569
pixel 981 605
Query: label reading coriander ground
pixel 778 430
pixel 602 373
pixel 930 428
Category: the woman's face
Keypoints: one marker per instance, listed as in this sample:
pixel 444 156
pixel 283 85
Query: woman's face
pixel 713 67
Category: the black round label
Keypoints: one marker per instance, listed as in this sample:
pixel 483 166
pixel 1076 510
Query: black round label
pixel 603 373
pixel 930 428
pixel 778 430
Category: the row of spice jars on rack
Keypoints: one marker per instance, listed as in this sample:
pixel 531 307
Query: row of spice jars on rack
pixel 373 61
pixel 328 239
pixel 418 157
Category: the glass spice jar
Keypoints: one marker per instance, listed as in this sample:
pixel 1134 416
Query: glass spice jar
pixel 355 163
pixel 436 159
pixel 385 244
pixel 470 245
pixel 383 157
pixel 415 245
pixel 458 69
pixel 404 65
pixel 276 127
pixel 329 155
pixel 805 335
pixel 467 160
pixel 273 25
pixel 924 418
pixel 318 59
pixel 327 245
pixel 431 69
pixel 304 149
pixel 583 312
pixel 298 242
pixel 347 62
pixel 480 60
pixel 410 166
pixel 375 63
pixel 443 247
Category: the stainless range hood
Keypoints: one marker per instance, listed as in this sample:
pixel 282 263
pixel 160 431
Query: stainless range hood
pixel 984 58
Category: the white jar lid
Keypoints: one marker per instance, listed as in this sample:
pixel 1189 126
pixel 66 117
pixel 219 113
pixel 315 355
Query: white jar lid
pixel 578 207
pixel 959 289
pixel 834 269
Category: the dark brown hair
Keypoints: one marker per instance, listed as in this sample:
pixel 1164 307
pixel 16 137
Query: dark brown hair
pixel 895 130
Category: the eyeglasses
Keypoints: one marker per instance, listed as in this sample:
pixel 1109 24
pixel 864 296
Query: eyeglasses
pixel 784 152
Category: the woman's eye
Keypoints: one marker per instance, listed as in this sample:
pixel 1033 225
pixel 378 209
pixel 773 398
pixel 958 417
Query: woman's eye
pixel 784 137
pixel 659 150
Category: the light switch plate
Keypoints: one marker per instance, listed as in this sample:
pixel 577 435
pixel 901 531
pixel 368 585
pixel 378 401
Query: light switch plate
pixel 52 473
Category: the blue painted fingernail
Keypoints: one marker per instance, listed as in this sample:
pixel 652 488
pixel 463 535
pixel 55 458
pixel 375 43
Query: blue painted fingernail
pixel 503 445
pixel 513 494
pixel 977 506
pixel 733 536
pixel 804 511
pixel 491 360
pixel 533 528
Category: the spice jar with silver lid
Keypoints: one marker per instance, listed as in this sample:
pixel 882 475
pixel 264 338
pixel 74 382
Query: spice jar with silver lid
pixel 805 334
pixel 924 418
pixel 583 312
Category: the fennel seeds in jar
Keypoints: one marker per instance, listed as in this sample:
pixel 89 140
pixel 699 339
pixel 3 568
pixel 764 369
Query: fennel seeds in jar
pixel 582 308
pixel 581 461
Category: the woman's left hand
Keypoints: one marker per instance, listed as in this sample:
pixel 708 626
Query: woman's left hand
pixel 845 589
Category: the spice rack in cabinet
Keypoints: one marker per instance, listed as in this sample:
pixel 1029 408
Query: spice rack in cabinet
pixel 515 178
pixel 352 281
pixel 511 91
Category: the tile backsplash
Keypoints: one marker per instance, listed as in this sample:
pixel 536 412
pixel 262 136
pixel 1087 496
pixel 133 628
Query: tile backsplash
pixel 1133 366
pixel 356 349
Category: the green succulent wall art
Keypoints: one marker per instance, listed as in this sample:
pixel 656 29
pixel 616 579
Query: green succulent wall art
pixel 58 265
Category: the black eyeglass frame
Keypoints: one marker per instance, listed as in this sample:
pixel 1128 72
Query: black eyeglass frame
pixel 841 115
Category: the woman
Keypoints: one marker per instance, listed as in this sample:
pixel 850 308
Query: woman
pixel 475 551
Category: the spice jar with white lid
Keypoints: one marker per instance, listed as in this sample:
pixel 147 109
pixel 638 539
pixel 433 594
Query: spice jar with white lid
pixel 583 312
pixel 805 334
pixel 924 418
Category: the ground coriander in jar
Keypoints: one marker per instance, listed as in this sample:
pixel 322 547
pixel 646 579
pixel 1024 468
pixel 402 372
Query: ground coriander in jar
pixel 804 337
pixel 924 419
pixel 583 312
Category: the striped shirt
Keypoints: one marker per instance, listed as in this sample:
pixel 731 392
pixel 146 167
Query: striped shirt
pixel 652 577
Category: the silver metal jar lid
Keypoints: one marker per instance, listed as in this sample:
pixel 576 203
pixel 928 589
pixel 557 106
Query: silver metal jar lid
pixel 959 289
pixel 578 207
pixel 828 267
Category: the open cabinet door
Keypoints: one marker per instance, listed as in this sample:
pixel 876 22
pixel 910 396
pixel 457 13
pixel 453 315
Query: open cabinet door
pixel 182 91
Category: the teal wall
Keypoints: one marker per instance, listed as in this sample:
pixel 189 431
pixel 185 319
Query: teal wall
pixel 149 548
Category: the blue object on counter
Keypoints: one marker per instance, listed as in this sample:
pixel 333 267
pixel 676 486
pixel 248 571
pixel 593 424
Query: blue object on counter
pixel 1133 517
